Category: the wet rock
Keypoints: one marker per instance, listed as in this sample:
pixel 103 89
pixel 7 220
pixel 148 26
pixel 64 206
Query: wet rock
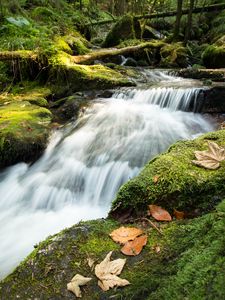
pixel 130 62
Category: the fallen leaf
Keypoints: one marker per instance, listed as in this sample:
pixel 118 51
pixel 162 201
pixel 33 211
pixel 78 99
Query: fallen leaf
pixel 156 248
pixel 210 159
pixel 125 234
pixel 155 179
pixel 107 272
pixel 159 213
pixel 90 262
pixel 77 281
pixel 179 215
pixel 134 247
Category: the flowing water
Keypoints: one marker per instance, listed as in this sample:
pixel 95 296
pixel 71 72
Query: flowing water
pixel 86 163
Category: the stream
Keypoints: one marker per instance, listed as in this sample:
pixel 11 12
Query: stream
pixel 86 162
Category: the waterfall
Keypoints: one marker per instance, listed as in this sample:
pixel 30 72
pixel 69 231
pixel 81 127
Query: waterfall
pixel 85 164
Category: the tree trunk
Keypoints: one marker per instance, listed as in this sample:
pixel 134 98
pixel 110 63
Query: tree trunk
pixel 112 6
pixel 178 19
pixel 189 22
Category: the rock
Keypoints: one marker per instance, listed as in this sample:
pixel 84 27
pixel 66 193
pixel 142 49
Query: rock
pixel 130 62
pixel 174 55
pixel 190 249
pixel 151 33
pixel 125 28
pixel 142 63
pixel 214 56
pixel 24 132
pixel 201 73
pixel 181 184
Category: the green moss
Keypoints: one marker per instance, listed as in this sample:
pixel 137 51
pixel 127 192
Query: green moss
pixel 173 55
pixel 125 28
pixel 68 77
pixel 23 126
pixel 181 184
pixel 214 56
pixel 190 263
pixel 61 45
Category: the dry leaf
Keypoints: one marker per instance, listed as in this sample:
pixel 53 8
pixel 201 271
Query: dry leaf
pixel 210 159
pixel 179 215
pixel 155 179
pixel 159 213
pixel 134 247
pixel 90 262
pixel 157 249
pixel 107 272
pixel 125 234
pixel 77 281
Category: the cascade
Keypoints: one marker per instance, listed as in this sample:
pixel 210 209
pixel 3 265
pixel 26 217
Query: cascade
pixel 85 164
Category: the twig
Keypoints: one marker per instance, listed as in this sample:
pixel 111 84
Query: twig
pixel 153 225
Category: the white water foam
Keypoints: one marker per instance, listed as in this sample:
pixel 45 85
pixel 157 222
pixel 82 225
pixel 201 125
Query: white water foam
pixel 80 172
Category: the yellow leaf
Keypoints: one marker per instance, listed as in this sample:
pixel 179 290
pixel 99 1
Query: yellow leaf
pixel 107 272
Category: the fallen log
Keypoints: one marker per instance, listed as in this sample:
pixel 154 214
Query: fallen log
pixel 19 54
pixel 107 53
pixel 196 10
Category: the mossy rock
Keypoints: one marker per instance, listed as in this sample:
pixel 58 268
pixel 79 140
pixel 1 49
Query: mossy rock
pixel 77 43
pixel 181 185
pixel 214 56
pixel 67 77
pixel 173 55
pixel 125 28
pixel 24 131
pixel 190 263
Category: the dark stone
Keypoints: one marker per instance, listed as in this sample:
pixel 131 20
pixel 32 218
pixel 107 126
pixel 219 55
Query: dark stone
pixel 130 62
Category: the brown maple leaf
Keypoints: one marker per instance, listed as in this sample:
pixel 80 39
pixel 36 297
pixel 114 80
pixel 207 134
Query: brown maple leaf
pixel 210 159
pixel 135 247
pixel 124 234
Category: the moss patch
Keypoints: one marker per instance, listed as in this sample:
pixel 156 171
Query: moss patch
pixel 173 55
pixel 181 184
pixel 190 263
pixel 214 56
pixel 24 125
pixel 125 28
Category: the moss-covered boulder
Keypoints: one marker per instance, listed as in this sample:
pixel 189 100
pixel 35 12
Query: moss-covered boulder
pixel 181 185
pixel 174 55
pixel 126 28
pixel 214 56
pixel 24 126
pixel 67 77
pixel 189 262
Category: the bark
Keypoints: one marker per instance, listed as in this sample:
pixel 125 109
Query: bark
pixel 196 10
pixel 106 53
pixel 189 22
pixel 178 19
pixel 13 55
